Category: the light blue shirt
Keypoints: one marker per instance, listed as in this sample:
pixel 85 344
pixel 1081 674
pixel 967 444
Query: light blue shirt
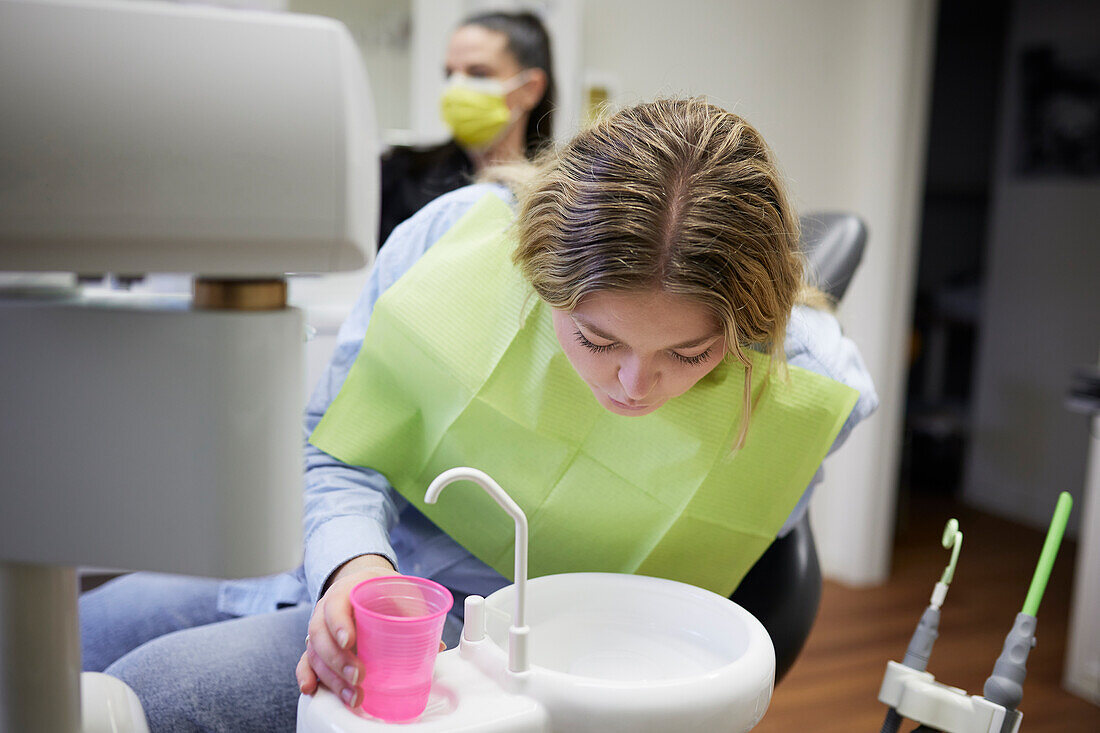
pixel 352 511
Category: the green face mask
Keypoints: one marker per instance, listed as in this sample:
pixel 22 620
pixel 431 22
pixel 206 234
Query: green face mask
pixel 475 110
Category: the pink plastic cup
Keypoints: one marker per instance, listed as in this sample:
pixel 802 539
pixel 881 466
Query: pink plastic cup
pixel 398 625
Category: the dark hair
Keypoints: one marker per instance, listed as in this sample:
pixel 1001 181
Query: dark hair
pixel 529 43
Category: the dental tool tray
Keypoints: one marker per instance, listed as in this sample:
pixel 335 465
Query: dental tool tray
pixel 585 652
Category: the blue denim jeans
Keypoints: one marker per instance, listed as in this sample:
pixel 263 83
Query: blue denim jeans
pixel 193 667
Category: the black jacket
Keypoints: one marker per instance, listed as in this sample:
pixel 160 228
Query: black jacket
pixel 411 177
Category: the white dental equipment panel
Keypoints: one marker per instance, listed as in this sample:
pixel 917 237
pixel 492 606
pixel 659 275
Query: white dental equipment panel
pixel 148 137
pixel 139 432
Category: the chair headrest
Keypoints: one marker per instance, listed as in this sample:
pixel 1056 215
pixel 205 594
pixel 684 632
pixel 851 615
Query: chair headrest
pixel 833 244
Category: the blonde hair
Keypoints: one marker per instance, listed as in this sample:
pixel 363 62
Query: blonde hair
pixel 676 195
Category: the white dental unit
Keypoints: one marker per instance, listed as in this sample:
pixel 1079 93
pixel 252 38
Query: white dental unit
pixel 584 653
pixel 143 431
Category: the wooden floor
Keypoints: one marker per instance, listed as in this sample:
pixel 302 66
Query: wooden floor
pixel 834 684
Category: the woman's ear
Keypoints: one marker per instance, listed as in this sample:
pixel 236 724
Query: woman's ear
pixel 531 91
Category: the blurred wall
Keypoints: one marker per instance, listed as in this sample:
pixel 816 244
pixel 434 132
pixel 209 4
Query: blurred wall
pixel 382 29
pixel 1041 309
pixel 839 90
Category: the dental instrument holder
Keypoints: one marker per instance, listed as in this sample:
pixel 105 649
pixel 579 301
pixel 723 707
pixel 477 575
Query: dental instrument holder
pixel 144 431
pixel 916 695
pixel 1005 685
pixel 924 636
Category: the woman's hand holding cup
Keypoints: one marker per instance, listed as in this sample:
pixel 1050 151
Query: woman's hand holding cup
pixel 330 649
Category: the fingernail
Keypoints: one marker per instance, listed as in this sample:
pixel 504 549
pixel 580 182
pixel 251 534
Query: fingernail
pixel 342 638
pixel 348 695
pixel 351 674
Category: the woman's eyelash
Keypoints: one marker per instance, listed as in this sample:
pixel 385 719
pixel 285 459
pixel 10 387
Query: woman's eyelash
pixel 596 348
pixel 693 360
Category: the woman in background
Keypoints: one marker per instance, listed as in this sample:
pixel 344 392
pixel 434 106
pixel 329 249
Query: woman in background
pixel 498 106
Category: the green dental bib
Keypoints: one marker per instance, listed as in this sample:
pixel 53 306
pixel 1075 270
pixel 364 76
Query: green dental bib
pixel 461 367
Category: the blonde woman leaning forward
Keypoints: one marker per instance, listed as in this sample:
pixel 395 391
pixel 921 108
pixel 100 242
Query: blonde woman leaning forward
pixel 619 342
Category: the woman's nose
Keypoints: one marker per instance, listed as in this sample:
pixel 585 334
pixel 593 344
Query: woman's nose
pixel 637 379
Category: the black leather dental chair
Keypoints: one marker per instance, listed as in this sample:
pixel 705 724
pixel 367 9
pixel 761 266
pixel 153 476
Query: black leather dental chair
pixel 783 588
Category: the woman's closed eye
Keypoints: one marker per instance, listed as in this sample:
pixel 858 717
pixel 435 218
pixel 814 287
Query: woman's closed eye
pixel 693 360
pixel 593 347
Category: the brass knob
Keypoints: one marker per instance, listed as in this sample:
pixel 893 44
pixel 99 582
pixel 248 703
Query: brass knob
pixel 240 295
